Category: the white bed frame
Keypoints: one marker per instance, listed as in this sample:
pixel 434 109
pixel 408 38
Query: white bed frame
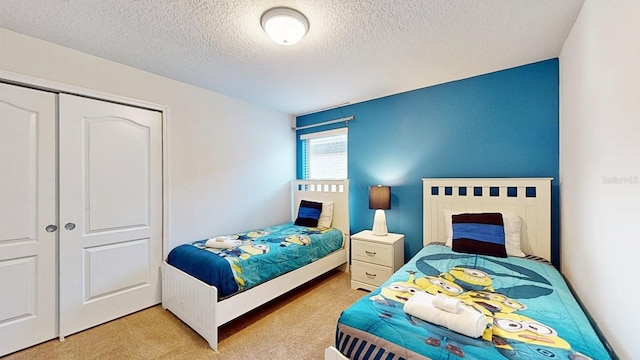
pixel 535 212
pixel 196 303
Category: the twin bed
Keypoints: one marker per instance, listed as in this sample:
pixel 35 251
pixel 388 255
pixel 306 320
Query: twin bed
pixel 525 303
pixel 246 276
pixel 529 311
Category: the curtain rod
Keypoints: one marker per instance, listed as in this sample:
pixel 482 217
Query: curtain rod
pixel 345 119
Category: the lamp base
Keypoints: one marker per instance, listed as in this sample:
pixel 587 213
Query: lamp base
pixel 379 223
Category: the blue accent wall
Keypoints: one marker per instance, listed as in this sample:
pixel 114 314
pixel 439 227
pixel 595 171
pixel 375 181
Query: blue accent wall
pixel 502 124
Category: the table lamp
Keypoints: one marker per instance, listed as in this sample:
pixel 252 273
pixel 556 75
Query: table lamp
pixel 380 200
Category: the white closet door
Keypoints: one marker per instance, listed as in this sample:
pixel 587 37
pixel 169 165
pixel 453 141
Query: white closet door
pixel 27 206
pixel 110 211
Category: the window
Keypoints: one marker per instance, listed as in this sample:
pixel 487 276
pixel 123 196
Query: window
pixel 324 155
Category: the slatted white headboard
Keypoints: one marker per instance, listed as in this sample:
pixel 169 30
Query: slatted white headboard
pixel 530 198
pixel 324 190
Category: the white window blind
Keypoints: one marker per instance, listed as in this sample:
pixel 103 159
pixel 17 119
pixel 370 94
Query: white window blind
pixel 325 154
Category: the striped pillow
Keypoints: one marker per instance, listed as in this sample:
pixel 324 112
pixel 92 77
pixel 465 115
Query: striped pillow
pixel 479 233
pixel 308 213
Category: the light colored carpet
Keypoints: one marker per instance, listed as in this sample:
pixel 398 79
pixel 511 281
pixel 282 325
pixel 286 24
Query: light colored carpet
pixel 298 325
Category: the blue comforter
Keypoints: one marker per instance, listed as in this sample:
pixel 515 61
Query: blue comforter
pixel 262 255
pixel 531 312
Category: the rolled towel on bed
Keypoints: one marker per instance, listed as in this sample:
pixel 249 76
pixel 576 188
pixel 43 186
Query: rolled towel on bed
pixel 447 303
pixel 223 238
pixel 466 322
pixel 222 242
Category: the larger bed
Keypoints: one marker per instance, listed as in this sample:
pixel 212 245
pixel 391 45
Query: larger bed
pixel 527 311
pixel 207 287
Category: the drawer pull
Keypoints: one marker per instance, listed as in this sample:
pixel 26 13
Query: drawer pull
pixel 370 276
pixel 370 253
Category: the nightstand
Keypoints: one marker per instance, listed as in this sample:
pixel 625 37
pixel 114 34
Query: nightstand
pixel 374 258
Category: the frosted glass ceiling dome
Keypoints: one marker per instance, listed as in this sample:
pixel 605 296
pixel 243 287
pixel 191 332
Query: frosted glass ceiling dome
pixel 284 25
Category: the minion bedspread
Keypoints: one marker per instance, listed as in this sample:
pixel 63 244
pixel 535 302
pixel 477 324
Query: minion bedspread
pixel 531 313
pixel 263 254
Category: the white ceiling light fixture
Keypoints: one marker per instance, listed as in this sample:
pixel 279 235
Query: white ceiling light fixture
pixel 284 25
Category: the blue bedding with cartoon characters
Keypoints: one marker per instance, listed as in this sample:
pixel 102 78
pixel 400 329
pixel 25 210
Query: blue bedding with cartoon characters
pixel 257 256
pixel 531 313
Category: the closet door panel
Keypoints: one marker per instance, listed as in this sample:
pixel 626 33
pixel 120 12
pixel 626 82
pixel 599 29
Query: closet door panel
pixel 18 140
pixel 132 258
pixel 130 158
pixel 110 211
pixel 27 206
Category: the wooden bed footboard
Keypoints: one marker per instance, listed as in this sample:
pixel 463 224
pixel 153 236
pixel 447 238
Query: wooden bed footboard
pixel 191 300
pixel 331 353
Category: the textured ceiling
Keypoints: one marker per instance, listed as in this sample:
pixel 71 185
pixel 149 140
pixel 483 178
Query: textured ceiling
pixel 355 50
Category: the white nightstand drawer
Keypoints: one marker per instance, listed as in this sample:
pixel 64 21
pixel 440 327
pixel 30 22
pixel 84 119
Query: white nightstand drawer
pixel 370 273
pixel 374 258
pixel 370 252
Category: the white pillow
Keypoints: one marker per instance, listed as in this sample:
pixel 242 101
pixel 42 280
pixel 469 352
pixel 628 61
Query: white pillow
pixel 512 233
pixel 326 216
pixel 448 227
pixel 512 227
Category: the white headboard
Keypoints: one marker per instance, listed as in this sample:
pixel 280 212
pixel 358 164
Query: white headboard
pixel 324 190
pixel 530 198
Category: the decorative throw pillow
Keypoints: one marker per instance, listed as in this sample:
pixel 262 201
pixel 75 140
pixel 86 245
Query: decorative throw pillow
pixel 480 233
pixel 512 229
pixel 308 213
pixel 326 216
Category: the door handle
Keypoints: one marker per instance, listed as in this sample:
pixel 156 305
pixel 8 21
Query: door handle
pixel 69 226
pixel 51 228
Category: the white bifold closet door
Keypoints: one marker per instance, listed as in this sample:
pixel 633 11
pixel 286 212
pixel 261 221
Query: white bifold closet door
pixel 28 282
pixel 80 213
pixel 110 169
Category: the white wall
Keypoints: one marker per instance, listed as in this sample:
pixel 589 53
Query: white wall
pixel 600 166
pixel 230 161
